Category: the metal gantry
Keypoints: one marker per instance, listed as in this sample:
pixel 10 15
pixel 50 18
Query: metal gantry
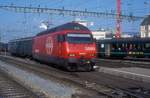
pixel 63 11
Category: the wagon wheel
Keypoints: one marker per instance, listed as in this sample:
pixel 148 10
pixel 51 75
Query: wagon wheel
pixel 71 68
pixel 89 67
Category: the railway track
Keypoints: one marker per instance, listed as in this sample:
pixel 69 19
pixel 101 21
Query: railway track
pixel 137 59
pixel 11 89
pixel 112 87
pixel 123 63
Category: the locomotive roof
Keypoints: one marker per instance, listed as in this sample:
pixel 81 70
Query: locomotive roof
pixel 67 26
pixel 114 40
pixel 146 21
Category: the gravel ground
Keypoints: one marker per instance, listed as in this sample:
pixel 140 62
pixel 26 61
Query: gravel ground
pixel 11 89
pixel 48 87
pixel 112 63
pixel 140 74
pixel 90 79
pixel 52 88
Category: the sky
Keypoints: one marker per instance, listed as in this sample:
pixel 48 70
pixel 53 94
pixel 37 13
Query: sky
pixel 17 25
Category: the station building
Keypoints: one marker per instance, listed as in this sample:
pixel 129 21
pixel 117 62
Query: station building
pixel 145 27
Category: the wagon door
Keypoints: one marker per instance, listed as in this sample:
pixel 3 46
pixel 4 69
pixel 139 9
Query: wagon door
pixel 61 39
pixel 107 50
pixel 101 49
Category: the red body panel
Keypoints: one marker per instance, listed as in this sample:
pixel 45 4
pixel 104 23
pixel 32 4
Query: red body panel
pixel 48 45
pixel 86 51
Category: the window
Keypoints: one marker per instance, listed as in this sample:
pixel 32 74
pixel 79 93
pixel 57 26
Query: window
pixel 147 45
pixel 102 45
pixel 114 46
pixel 79 38
pixel 61 38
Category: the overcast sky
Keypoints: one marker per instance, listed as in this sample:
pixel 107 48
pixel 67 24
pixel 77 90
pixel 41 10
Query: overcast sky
pixel 16 25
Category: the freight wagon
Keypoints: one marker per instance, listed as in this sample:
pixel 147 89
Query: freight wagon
pixel 3 47
pixel 21 47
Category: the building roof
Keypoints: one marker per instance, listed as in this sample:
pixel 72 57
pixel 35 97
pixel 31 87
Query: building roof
pixel 146 21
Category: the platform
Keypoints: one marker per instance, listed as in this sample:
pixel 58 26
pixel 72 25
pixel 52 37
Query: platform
pixel 135 73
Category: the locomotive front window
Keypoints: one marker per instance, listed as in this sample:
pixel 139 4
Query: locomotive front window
pixel 79 38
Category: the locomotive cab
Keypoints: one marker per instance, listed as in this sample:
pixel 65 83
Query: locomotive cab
pixel 78 49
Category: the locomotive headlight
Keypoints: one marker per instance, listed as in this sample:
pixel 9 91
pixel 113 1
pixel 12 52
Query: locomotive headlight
pixel 71 54
pixel 88 62
pixel 92 54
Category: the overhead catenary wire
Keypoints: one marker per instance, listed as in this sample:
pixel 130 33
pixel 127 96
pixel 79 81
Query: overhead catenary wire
pixel 63 11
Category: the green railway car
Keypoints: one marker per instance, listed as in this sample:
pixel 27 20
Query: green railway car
pixel 123 47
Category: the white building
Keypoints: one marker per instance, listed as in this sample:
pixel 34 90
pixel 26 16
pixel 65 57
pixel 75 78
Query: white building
pixel 100 34
pixel 145 27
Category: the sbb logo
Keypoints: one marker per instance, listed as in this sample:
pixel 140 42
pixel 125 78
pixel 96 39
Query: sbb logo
pixel 49 45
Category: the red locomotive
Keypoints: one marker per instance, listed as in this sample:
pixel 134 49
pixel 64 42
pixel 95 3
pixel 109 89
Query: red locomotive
pixel 70 45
